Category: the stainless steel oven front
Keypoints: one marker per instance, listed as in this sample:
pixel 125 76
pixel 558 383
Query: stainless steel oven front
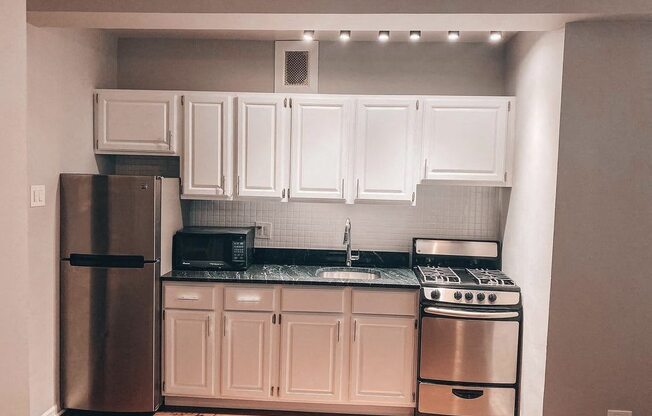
pixel 468 362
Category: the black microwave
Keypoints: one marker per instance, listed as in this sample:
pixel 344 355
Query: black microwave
pixel 213 248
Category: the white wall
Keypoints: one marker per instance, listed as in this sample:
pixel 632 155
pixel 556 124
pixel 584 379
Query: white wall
pixel 63 68
pixel 14 387
pixel 534 63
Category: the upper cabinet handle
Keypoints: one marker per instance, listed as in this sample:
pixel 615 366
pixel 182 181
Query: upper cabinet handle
pixel 283 193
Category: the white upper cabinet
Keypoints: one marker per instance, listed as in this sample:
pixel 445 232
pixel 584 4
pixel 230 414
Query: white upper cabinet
pixel 321 138
pixel 208 145
pixel 385 149
pixel 262 146
pixel 467 140
pixel 136 122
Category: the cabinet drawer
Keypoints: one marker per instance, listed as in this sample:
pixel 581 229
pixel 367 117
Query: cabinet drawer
pixel 247 298
pixel 312 300
pixel 384 302
pixel 188 297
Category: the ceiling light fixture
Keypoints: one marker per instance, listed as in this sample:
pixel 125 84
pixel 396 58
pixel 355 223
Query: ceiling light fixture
pixel 345 35
pixel 495 36
pixel 308 35
pixel 415 35
pixel 453 35
pixel 383 35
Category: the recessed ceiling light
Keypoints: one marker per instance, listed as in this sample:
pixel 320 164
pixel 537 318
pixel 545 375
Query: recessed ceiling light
pixel 345 35
pixel 453 35
pixel 495 36
pixel 308 35
pixel 383 35
pixel 415 35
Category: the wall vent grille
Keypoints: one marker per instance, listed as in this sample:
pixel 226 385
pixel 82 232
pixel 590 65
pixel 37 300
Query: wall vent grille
pixel 296 68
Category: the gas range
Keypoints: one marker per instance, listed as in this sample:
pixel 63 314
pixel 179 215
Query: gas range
pixel 466 286
pixel 463 273
pixel 470 329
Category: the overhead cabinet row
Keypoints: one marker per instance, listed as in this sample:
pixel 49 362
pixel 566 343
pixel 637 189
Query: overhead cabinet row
pixel 325 147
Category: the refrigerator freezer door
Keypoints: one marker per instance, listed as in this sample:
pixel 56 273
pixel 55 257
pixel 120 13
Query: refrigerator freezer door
pixel 114 215
pixel 110 338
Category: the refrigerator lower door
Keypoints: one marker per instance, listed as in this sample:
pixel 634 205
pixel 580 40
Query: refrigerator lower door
pixel 110 338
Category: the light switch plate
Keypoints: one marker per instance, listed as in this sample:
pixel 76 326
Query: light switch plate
pixel 37 196
pixel 264 230
pixel 619 413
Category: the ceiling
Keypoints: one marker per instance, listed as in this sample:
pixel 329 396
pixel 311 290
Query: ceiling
pixel 320 35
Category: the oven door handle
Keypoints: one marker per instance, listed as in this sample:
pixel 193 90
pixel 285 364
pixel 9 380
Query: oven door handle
pixel 459 313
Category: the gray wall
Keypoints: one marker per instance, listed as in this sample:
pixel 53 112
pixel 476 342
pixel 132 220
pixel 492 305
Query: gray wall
pixel 600 336
pixel 14 313
pixel 64 66
pixel 534 74
pixel 354 67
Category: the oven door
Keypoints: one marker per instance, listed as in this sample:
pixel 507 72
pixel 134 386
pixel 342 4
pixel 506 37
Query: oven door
pixel 469 346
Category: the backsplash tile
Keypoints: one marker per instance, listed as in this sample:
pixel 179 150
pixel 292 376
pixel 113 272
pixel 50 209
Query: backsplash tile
pixel 441 211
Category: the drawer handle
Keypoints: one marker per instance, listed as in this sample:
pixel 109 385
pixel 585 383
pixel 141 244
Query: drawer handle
pixel 248 298
pixel 188 297
pixel 468 394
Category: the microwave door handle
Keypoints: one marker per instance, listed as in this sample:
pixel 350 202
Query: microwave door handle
pixel 460 313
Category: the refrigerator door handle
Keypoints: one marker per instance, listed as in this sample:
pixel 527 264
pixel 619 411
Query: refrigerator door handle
pixel 102 260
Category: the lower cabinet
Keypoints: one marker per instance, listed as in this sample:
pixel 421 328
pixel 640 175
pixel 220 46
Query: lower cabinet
pixel 189 353
pixel 247 355
pixel 382 360
pixel 311 357
pixel 317 346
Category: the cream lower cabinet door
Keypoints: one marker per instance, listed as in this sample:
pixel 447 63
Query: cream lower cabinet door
pixel 382 360
pixel 311 357
pixel 321 138
pixel 136 122
pixel 467 139
pixel 385 149
pixel 247 355
pixel 189 353
pixel 262 160
pixel 208 145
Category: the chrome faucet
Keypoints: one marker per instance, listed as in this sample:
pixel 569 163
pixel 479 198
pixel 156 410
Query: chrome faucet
pixel 347 241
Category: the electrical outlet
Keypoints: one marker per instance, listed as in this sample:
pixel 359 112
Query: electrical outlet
pixel 264 230
pixel 37 196
pixel 619 413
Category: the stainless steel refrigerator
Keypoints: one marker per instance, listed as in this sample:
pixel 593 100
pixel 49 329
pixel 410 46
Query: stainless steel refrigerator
pixel 116 235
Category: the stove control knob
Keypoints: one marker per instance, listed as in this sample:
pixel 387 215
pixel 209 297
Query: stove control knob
pixel 492 297
pixel 435 294
pixel 468 296
pixel 458 295
pixel 480 297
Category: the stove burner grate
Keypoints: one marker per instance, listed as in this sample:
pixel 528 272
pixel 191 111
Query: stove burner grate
pixel 490 277
pixel 441 275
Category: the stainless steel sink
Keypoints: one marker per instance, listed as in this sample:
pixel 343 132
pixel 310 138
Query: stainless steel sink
pixel 348 273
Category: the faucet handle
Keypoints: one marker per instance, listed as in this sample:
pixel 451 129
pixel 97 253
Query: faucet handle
pixel 355 257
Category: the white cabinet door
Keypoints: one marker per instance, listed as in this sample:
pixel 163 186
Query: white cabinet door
pixel 247 355
pixel 311 357
pixel 321 138
pixel 262 146
pixel 382 360
pixel 189 353
pixel 208 145
pixel 465 139
pixel 384 149
pixel 136 122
